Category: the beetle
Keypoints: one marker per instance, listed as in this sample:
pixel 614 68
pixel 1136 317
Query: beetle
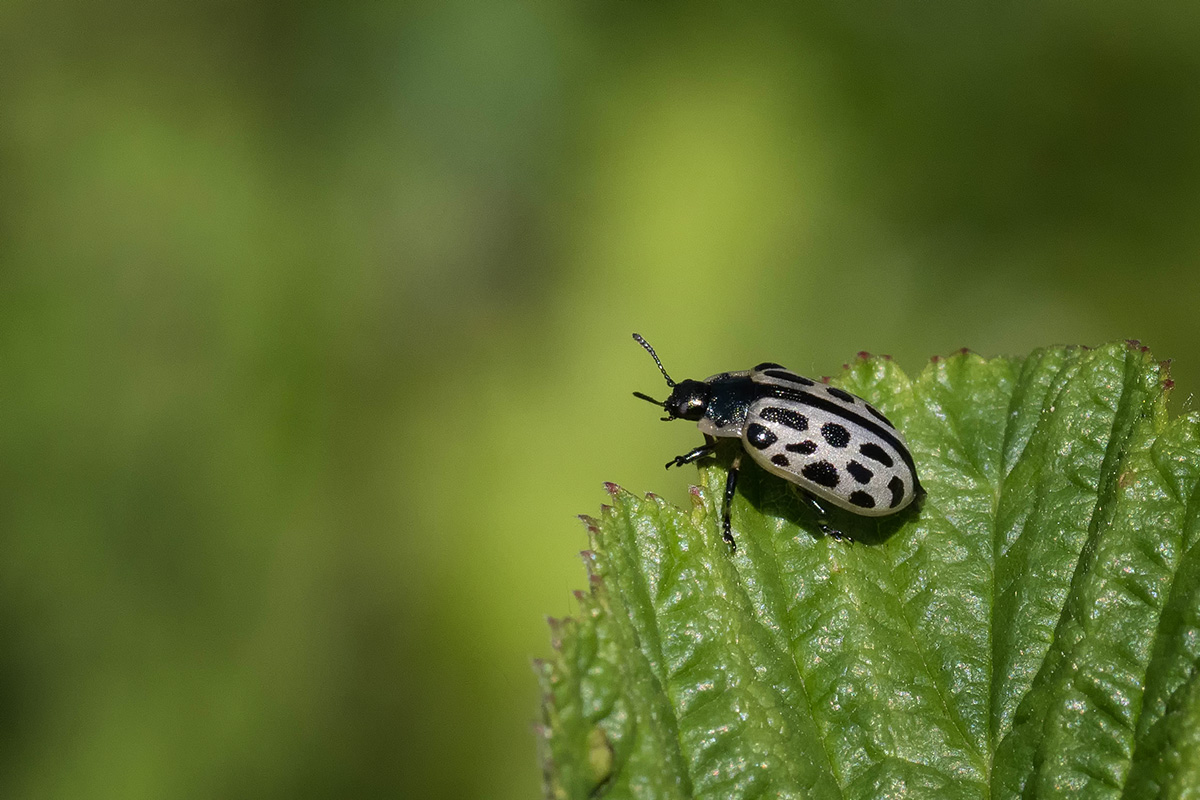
pixel 832 445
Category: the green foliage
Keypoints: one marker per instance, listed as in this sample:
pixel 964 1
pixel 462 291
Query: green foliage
pixel 1033 630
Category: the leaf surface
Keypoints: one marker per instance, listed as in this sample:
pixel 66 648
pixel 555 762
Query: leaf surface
pixel 1031 630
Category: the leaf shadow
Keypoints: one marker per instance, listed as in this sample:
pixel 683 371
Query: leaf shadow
pixel 773 496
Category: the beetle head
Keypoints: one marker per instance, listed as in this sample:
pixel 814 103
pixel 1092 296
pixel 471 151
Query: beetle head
pixel 688 400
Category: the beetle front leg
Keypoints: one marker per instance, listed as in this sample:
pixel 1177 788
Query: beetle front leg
pixel 692 455
pixel 822 517
pixel 727 512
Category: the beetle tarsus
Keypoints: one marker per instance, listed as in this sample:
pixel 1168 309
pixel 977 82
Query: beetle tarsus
pixel 834 533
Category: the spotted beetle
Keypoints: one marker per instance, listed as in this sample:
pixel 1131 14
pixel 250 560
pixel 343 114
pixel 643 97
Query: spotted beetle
pixel 832 445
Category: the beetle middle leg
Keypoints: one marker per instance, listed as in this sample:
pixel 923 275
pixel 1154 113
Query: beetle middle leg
pixel 726 514
pixel 822 516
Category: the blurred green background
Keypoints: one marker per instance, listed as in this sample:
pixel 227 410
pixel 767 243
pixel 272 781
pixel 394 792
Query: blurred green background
pixel 315 326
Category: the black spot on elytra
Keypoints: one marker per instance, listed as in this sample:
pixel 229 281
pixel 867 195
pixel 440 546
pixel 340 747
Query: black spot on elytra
pixel 835 434
pixel 876 453
pixel 779 460
pixel 821 473
pixel 862 499
pixel 807 447
pixel 790 377
pixel 845 397
pixel 784 416
pixel 768 365
pixel 759 436
pixel 859 472
pixel 896 487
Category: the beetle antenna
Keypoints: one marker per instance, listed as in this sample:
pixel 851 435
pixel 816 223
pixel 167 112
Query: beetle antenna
pixel 653 355
pixel 649 399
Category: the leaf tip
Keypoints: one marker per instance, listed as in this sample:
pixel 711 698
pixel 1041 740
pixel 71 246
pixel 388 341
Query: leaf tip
pixel 590 523
pixel 556 630
pixel 1136 344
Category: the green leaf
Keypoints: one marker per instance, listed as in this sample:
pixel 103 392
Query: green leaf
pixel 1031 630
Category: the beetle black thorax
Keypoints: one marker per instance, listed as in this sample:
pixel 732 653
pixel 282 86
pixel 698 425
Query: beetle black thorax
pixel 730 396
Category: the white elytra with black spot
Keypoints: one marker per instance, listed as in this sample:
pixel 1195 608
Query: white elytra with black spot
pixel 823 439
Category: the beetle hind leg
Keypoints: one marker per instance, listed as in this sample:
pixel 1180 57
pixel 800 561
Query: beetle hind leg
pixel 822 516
